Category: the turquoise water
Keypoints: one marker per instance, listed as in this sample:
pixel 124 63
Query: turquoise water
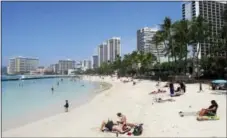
pixel 26 100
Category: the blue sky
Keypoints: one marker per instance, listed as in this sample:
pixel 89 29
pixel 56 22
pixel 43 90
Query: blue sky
pixel 61 30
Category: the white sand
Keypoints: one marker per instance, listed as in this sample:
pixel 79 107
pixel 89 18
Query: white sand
pixel 160 119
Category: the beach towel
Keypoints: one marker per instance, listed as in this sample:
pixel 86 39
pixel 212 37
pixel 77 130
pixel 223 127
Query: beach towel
pixel 207 118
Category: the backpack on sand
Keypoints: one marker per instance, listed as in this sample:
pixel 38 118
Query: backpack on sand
pixel 138 130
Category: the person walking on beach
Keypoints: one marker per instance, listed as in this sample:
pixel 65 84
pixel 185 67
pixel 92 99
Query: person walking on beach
pixel 66 106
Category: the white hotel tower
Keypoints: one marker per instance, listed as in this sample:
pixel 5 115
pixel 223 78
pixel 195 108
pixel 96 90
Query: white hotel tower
pixel 212 12
pixel 109 50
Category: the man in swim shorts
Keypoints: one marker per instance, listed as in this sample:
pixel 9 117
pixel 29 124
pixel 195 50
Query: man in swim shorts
pixel 111 126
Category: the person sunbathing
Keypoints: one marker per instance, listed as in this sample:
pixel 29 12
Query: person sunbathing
pixel 112 127
pixel 159 91
pixel 160 100
pixel 211 111
pixel 123 121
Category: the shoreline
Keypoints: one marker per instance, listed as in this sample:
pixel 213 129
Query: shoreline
pixel 45 113
pixel 159 119
pixel 33 77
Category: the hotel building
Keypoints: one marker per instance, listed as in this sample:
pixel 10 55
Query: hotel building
pixel 109 50
pixel 144 42
pixel 95 61
pixel 86 64
pixel 212 12
pixel 54 68
pixel 65 65
pixel 20 65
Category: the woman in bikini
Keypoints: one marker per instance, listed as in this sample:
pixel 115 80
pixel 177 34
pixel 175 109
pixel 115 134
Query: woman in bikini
pixel 211 111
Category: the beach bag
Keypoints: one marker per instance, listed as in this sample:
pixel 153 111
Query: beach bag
pixel 137 130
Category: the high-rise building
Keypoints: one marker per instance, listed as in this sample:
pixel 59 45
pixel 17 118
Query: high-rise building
pixel 144 38
pixel 79 64
pixel 212 12
pixel 114 47
pixel 144 42
pixel 22 65
pixel 95 61
pixel 65 65
pixel 4 70
pixel 109 50
pixel 54 68
pixel 86 64
pixel 100 54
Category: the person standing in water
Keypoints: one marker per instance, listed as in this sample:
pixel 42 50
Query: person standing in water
pixel 66 106
pixel 52 89
pixel 58 83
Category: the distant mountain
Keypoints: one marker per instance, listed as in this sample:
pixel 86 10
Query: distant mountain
pixel 4 70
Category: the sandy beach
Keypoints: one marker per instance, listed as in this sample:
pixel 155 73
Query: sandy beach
pixel 159 119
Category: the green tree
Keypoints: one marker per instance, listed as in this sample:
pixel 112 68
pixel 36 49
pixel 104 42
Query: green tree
pixel 157 40
pixel 182 37
pixel 200 33
pixel 166 36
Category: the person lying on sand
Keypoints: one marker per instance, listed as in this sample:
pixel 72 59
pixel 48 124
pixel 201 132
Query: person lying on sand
pixel 159 91
pixel 210 111
pixel 160 100
pixel 112 127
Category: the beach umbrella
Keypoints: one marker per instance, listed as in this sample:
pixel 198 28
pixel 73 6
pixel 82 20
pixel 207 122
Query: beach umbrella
pixel 219 81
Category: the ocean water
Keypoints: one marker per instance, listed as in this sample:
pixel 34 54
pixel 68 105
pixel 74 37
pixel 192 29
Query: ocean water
pixel 29 100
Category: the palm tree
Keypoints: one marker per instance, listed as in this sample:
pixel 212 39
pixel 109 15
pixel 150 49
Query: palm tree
pixel 181 30
pixel 166 35
pixel 156 40
pixel 199 32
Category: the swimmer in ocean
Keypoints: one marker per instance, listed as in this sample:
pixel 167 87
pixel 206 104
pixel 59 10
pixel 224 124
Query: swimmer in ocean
pixel 52 89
